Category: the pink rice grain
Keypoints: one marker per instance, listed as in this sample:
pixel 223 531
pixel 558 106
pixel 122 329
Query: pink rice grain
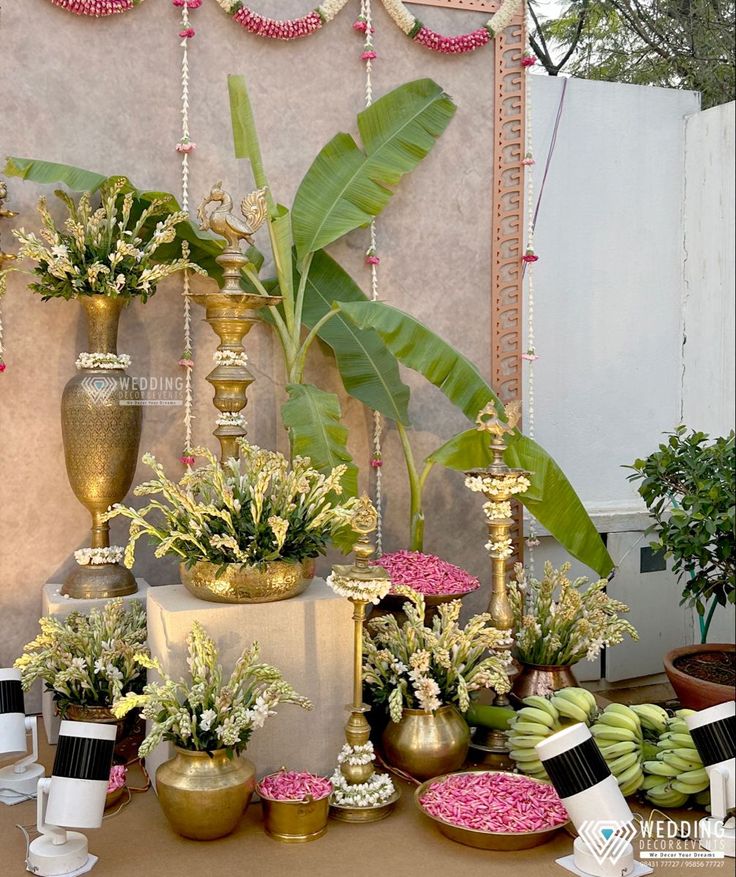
pixel 290 785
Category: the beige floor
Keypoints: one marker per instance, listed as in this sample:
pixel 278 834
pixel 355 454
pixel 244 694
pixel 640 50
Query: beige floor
pixel 137 841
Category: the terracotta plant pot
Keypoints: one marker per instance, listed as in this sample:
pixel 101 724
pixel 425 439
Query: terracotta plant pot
pixel 542 679
pixel 694 693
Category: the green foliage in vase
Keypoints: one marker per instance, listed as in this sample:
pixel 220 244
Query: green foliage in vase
pixel 558 622
pixel 209 712
pixel 689 486
pixel 88 659
pixel 252 509
pixel 418 667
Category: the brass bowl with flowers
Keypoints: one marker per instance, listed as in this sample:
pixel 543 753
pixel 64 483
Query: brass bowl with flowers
pixel 241 583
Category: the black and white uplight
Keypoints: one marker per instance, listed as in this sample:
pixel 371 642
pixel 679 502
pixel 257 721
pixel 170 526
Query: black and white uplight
pixel 72 797
pixel 714 733
pixel 591 796
pixel 17 781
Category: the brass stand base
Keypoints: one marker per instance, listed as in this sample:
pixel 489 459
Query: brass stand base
pixel 363 815
pixel 99 581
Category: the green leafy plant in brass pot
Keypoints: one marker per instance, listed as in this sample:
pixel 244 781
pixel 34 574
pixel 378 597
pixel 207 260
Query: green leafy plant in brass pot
pixel 688 484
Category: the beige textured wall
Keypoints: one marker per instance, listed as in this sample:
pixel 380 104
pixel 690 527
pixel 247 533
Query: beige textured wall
pixel 105 95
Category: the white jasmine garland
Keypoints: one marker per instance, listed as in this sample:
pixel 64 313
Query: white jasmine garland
pixel 99 556
pixel 230 418
pixel 378 790
pixel 502 548
pixel 230 357
pixel 492 485
pixel 356 755
pixel 329 9
pixel 497 511
pixel 372 591
pixel 119 361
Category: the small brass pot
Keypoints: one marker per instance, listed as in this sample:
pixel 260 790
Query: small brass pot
pixel 425 744
pixel 204 794
pixel 542 679
pixel 295 822
pixel 237 583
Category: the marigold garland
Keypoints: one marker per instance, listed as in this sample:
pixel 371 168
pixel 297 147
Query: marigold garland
pixel 457 45
pixel 288 29
pixel 97 8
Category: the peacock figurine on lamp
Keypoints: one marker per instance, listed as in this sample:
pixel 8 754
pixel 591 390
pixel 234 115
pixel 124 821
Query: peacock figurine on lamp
pixel 230 311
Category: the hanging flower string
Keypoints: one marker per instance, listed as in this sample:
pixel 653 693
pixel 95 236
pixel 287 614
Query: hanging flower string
pixel 452 45
pixel 97 8
pixel 4 257
pixel 286 29
pixel 185 147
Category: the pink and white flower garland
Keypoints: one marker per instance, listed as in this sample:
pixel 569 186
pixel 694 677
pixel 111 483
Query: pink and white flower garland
pixel 286 29
pixel 453 45
pixel 97 8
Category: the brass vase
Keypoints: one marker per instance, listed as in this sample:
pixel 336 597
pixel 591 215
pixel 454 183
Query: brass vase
pixel 204 795
pixel 425 744
pixel 238 583
pixel 101 428
pixel 542 679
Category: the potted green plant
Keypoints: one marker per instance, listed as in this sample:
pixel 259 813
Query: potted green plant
pixel 425 676
pixel 688 484
pixel 247 530
pixel 88 660
pixel 557 623
pixel 205 788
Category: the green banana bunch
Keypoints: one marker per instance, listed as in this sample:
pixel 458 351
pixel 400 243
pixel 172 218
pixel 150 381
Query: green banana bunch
pixel 540 717
pixel 653 719
pixel 677 772
pixel 620 737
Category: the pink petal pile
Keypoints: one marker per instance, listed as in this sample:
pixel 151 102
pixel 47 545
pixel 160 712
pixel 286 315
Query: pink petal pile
pixel 290 785
pixel 117 778
pixel 459 45
pixel 293 29
pixel 95 7
pixel 495 802
pixel 427 574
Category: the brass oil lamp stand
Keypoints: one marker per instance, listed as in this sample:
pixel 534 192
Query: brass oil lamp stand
pixel 357 730
pixel 231 312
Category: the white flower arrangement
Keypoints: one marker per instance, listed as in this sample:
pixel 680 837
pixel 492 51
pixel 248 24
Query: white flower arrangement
pixel 230 357
pixel 329 9
pixel 502 548
pixel 356 755
pixel 99 556
pixel 494 485
pixel 497 511
pixel 119 361
pixel 230 418
pixel 378 790
pixel 372 591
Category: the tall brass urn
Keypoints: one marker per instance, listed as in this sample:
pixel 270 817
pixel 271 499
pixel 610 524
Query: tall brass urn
pixel 101 420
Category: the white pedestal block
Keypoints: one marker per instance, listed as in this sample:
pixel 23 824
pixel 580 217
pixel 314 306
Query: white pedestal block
pixel 309 638
pixel 53 603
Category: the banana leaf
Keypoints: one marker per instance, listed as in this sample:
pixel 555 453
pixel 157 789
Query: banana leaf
pixel 368 370
pixel 312 417
pixel 346 187
pixel 551 498
pixel 202 247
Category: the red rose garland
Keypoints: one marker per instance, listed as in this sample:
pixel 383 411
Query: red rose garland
pixel 289 29
pixel 96 8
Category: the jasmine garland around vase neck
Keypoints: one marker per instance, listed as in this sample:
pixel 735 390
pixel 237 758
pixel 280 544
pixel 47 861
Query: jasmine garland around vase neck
pixel 252 509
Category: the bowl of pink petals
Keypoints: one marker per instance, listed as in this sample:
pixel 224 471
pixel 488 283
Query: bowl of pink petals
pixel 296 805
pixel 116 784
pixel 493 810
pixel 427 574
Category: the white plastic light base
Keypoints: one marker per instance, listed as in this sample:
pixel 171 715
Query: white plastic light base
pixel 716 837
pixel 585 864
pixel 17 787
pixel 47 859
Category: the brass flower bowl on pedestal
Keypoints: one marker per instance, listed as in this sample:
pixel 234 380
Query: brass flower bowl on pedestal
pixel 239 583
pixel 204 794
pixel 487 840
pixel 425 744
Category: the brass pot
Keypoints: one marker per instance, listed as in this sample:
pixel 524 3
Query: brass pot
pixel 237 583
pixel 542 679
pixel 295 821
pixel 204 795
pixel 101 429
pixel 425 744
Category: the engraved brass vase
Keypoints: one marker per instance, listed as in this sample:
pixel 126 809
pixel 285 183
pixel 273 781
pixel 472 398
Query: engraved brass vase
pixel 425 744
pixel 204 794
pixel 542 679
pixel 238 583
pixel 101 429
